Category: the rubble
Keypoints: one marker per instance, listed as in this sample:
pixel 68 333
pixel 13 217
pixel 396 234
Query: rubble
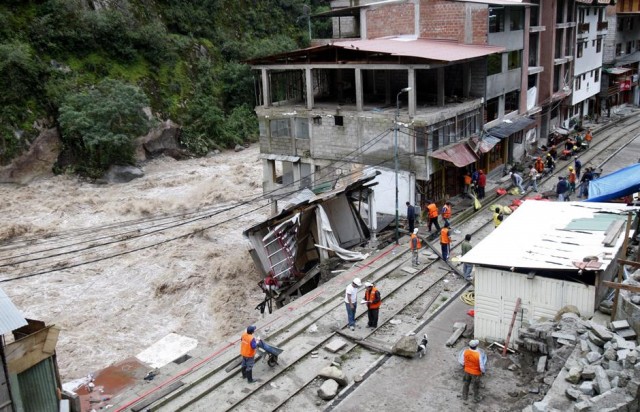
pixel 601 373
pixel 331 372
pixel 328 390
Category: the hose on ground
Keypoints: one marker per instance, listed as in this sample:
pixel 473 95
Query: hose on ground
pixel 469 298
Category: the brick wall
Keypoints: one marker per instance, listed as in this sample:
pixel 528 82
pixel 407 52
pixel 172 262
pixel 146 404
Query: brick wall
pixel 390 20
pixel 444 19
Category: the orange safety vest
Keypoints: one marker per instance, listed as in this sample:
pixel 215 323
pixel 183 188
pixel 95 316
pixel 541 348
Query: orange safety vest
pixel 472 362
pixel 414 236
pixel 433 210
pixel 467 179
pixel 447 212
pixel 572 177
pixel 370 296
pixel 539 166
pixel 588 137
pixel 245 346
pixel 444 236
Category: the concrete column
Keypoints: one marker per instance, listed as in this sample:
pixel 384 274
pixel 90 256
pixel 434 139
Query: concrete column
pixel 387 88
pixel 268 174
pixel 440 86
pixel 358 89
pixel 363 23
pixel 308 78
pixel 296 174
pixel 412 93
pixel 373 219
pixel 266 89
pixel 466 80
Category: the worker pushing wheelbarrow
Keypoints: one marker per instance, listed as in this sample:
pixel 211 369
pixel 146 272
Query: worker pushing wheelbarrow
pixel 272 352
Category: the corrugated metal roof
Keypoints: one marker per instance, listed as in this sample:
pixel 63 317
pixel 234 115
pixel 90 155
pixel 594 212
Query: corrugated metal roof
pixel 535 236
pixel 511 126
pixel 282 158
pixel 441 50
pixel 487 143
pixel 459 154
pixel 10 316
pixel 617 70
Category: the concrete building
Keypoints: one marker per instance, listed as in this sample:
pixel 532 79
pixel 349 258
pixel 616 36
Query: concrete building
pixel 563 253
pixel 340 98
pixel 621 57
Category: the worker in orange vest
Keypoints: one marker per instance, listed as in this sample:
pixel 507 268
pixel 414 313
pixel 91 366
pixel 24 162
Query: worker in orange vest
pixel 474 361
pixel 432 211
pixel 572 180
pixel 445 241
pixel 467 184
pixel 539 165
pixel 373 301
pixel 588 137
pixel 446 213
pixel 248 346
pixel 414 245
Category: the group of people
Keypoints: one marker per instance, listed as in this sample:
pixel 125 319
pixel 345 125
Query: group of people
pixel 475 182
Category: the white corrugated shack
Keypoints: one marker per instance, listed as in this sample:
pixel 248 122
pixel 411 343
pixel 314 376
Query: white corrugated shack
pixel 548 254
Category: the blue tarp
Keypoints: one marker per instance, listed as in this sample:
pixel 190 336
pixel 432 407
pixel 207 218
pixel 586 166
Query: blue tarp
pixel 620 183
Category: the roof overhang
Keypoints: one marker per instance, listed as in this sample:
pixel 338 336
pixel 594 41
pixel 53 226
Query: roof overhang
pixel 511 126
pixel 629 58
pixel 618 70
pixel 10 316
pixel 499 2
pixel 597 2
pixel 459 154
pixel 353 11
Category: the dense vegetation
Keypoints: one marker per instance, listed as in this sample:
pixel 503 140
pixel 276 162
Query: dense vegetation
pixel 82 64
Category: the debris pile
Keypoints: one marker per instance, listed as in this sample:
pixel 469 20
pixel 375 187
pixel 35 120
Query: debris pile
pixel 334 379
pixel 601 374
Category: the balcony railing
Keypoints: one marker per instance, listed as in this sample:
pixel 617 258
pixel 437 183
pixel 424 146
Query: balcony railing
pixel 603 25
pixel 583 28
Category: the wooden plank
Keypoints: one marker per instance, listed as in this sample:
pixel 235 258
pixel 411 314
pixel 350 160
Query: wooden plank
pixel 622 253
pixel 612 233
pixel 50 342
pixel 617 286
pixel 513 321
pixel 367 344
pixel 629 263
pixel 428 306
pixel 156 396
pixel 26 352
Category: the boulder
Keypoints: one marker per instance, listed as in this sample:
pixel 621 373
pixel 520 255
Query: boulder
pixel 610 353
pixel 573 394
pixel 37 162
pixel 602 380
pixel 589 372
pixel 586 387
pixel 540 407
pixel 239 148
pixel 595 339
pixel 593 357
pixel 407 346
pixel 328 390
pixel 159 140
pixel 331 372
pixel 601 332
pixel 123 174
pixel 573 375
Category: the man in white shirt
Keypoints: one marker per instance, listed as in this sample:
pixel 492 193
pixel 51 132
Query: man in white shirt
pixel 350 300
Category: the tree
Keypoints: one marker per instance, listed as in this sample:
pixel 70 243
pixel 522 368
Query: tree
pixel 99 124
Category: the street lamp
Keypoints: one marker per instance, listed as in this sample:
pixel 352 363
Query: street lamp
pixel 395 153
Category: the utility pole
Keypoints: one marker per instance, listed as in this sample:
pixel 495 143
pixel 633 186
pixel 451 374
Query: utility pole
pixel 395 154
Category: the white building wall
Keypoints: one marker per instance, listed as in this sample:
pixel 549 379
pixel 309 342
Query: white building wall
pixel 496 292
pixel 590 61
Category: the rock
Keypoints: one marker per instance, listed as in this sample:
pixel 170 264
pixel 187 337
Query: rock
pixel 589 372
pixel 573 394
pixel 542 363
pixel 513 394
pixel 610 354
pixel 601 332
pixel 37 162
pixel 584 406
pixel 584 346
pixel 328 390
pixel 619 324
pixel 540 407
pixel 595 339
pixel 586 387
pixel 513 367
pixel 123 174
pixel 602 380
pixel 566 309
pixel 239 148
pixel 407 346
pixel 331 372
pixel 635 299
pixel 573 375
pixel 592 346
pixel 358 378
pixel 615 365
pixel 593 357
pixel 615 382
pixel 335 345
pixel 632 357
pixel 158 141
pixel 622 354
pixel 564 336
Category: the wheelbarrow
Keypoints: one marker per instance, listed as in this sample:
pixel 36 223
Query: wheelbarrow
pixel 272 352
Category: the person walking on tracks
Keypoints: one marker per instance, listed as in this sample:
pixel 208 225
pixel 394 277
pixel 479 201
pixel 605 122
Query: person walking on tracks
pixel 373 301
pixel 432 211
pixel 482 183
pixel 533 178
pixel 577 164
pixel 446 213
pixel 572 180
pixel 562 189
pixel 414 245
pixel 411 217
pixel 467 267
pixel 445 242
pixel 350 300
pixel 248 346
pixel 474 362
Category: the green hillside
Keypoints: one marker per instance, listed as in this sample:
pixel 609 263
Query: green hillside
pixel 78 64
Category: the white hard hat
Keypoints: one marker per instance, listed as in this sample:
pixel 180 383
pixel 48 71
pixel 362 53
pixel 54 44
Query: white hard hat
pixel 474 343
pixel 415 230
pixel 357 282
pixel 368 284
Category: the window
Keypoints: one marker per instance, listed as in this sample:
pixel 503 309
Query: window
pixel 598 45
pixel 279 128
pixel 596 78
pixel 629 25
pixel 580 15
pixel 262 128
pixel 317 120
pixel 515 59
pixel 580 49
pixel 496 19
pixel 422 144
pixel 621 23
pixel 492 109
pixel 339 120
pixel 628 50
pixel 618 49
pixel 511 101
pixel 435 139
pixel 578 83
pixel 516 18
pixel 302 128
pixel 494 64
pixel 518 138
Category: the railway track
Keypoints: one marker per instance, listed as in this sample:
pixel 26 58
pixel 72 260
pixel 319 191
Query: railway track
pixel 292 385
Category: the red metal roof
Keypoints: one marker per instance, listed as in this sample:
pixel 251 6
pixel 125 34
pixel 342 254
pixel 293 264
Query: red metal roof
pixel 459 154
pixel 443 50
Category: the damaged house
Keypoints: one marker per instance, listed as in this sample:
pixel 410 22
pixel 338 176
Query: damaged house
pixel 546 255
pixel 311 229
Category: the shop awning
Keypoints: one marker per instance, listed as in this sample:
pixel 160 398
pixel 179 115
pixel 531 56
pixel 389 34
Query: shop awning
pixel 628 58
pixel 618 70
pixel 459 154
pixel 511 126
pixel 487 143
